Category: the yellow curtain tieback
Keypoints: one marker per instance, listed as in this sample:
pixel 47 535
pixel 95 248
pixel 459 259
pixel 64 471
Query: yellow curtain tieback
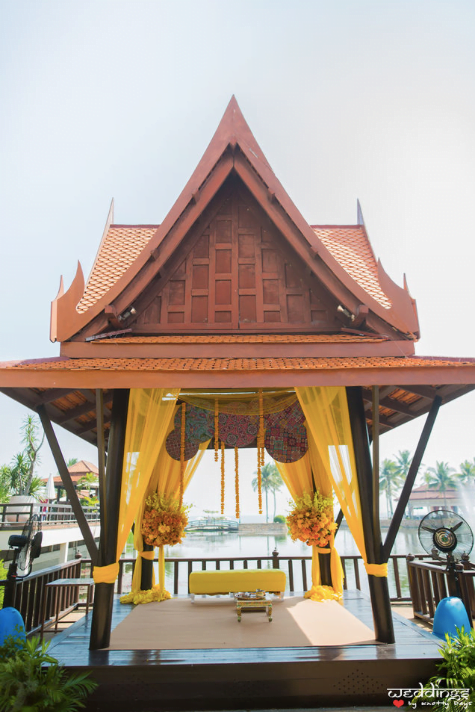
pixel 105 574
pixel 150 555
pixel 380 570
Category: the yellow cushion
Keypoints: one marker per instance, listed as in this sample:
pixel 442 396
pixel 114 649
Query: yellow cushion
pixel 214 582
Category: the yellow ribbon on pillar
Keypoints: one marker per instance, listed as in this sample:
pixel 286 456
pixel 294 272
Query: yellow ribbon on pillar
pixel 379 570
pixel 105 574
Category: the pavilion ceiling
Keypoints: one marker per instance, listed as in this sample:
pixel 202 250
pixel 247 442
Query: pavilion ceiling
pixel 75 409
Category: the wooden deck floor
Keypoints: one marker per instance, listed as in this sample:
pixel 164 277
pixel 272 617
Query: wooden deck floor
pixel 146 680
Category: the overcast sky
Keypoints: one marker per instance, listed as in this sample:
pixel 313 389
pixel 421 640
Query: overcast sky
pixel 359 99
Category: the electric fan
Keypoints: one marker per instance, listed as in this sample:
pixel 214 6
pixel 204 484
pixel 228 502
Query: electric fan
pixel 446 532
pixel 27 547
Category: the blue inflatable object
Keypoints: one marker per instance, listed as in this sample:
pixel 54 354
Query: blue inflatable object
pixel 450 615
pixel 11 623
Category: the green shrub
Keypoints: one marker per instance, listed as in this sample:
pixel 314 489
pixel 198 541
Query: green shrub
pixel 457 670
pixel 279 519
pixel 26 687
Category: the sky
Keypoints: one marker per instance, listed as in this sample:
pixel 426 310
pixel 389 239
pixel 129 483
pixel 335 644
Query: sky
pixel 350 99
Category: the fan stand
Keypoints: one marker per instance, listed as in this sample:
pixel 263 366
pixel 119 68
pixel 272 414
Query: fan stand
pixel 453 581
pixel 10 588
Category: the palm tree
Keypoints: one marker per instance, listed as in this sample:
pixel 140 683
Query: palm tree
pixel 403 462
pixel 19 477
pixel 271 482
pixel 466 475
pixel 441 478
pixel 390 481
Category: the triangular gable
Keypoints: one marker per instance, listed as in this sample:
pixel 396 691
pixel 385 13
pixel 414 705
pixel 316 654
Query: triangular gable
pixel 236 274
pixel 233 150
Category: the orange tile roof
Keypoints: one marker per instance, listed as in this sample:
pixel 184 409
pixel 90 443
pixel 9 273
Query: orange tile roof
pixel 246 339
pixel 83 466
pixel 119 249
pixel 237 364
pixel 350 246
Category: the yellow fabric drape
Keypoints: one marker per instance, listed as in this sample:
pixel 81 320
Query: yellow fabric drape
pixel 148 418
pixel 105 574
pixel 329 429
pixel 300 477
pixel 165 480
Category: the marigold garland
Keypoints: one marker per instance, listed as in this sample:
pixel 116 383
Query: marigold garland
pixel 311 520
pixel 182 452
pixel 164 521
pixel 222 478
pixel 236 480
pixel 216 429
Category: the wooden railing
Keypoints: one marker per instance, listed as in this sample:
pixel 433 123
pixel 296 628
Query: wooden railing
pixel 30 591
pixel 298 569
pixel 14 516
pixel 430 581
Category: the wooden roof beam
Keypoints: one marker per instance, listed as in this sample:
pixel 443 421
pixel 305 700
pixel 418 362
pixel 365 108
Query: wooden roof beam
pixel 91 425
pixel 368 397
pixel 428 392
pixel 397 406
pixel 74 413
pixel 53 394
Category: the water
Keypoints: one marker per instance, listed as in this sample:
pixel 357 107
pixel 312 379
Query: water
pixel 199 545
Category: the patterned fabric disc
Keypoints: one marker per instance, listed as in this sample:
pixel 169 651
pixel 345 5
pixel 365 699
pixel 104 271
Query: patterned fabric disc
pixel 199 423
pixel 287 445
pixel 237 430
pixel 173 445
pixel 286 419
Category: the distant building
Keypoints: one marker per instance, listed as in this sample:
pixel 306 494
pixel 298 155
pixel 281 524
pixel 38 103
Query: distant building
pixel 425 499
pixel 80 469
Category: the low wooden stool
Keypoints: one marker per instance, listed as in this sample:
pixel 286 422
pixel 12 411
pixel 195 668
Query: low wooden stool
pixel 256 601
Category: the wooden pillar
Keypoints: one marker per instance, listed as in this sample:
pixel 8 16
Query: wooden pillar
pixel 378 586
pixel 146 580
pixel 104 594
pixel 325 569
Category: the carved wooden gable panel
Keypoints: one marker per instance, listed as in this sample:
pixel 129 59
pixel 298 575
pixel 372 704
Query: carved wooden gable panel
pixel 240 274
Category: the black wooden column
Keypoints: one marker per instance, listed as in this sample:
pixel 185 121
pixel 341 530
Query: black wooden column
pixel 378 585
pixel 146 581
pixel 104 594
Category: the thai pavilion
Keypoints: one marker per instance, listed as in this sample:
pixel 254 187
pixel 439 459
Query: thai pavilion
pixel 234 297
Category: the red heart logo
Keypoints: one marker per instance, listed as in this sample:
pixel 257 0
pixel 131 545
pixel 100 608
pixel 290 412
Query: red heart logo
pixel 398 703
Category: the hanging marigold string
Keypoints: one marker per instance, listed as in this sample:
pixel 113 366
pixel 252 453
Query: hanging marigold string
pixel 222 478
pixel 182 452
pixel 260 450
pixel 236 480
pixel 216 428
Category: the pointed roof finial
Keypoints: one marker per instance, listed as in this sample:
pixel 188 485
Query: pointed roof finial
pixel 359 213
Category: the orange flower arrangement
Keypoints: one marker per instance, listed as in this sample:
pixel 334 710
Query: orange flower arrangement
pixel 311 520
pixel 164 521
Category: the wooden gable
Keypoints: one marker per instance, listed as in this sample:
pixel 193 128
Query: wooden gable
pixel 238 273
pixel 282 272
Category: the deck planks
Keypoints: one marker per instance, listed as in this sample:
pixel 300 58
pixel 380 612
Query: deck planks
pixel 145 680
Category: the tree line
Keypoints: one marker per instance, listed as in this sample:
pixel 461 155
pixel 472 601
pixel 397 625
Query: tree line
pixel 441 478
